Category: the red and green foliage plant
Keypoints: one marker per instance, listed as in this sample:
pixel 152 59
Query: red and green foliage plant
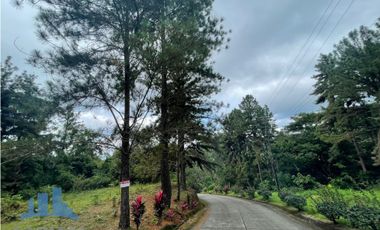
pixel 138 210
pixel 184 206
pixel 159 205
pixel 170 214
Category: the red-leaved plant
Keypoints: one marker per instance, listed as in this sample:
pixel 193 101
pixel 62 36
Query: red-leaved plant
pixel 170 214
pixel 184 206
pixel 159 205
pixel 138 209
pixel 193 204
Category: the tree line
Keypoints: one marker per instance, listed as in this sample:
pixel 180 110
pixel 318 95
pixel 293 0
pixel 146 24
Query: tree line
pixel 135 59
pixel 337 145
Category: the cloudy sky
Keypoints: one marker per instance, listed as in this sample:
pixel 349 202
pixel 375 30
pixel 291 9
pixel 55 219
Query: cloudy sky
pixel 274 47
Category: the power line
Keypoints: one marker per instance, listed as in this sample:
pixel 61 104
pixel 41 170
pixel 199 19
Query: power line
pixel 306 99
pixel 323 44
pixel 285 76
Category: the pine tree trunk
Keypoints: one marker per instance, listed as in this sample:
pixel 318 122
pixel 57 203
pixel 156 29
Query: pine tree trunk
pixel 178 169
pixel 124 222
pixel 258 165
pixel 164 142
pixel 274 172
pixel 183 176
pixel 181 140
pixel 376 152
pixel 361 161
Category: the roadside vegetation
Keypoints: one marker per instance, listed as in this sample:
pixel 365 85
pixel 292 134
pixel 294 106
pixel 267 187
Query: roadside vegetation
pixel 99 209
pixel 143 68
pixel 324 164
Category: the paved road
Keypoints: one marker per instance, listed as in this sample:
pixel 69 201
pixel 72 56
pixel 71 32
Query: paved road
pixel 233 213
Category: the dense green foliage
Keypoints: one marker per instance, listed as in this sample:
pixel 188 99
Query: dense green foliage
pixel 298 202
pixel 266 194
pixel 153 59
pixel 333 146
pixel 331 204
pixel 337 146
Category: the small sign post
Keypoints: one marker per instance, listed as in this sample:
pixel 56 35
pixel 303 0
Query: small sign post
pixel 124 183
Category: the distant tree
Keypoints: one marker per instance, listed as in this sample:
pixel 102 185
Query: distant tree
pixel 349 82
pixel 25 111
pixel 179 51
pixel 301 150
pixel 248 132
pixel 94 50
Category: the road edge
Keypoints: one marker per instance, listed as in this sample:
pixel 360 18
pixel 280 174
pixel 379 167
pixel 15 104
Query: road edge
pixel 196 220
pixel 295 215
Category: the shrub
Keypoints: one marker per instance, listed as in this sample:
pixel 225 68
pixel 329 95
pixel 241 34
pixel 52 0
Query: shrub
pixel 66 180
pixel 305 182
pixel 91 183
pixel 283 194
pixel 265 185
pixel 32 192
pixel 138 210
pixel 170 214
pixel 364 217
pixel 331 204
pixel 210 188
pixel 218 189
pixel 159 205
pixel 298 202
pixel 237 189
pixel 266 194
pixel 285 179
pixel 364 213
pixel 226 188
pixel 251 192
pixel 11 207
pixel 344 182
pixel 184 206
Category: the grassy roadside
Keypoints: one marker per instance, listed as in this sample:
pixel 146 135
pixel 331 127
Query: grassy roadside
pixel 99 209
pixel 310 211
pixel 196 218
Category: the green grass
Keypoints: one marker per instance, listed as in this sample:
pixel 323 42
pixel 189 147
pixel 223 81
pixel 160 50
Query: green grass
pixel 310 209
pixel 94 207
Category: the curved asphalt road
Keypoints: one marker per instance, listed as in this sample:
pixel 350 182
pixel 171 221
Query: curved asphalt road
pixel 234 213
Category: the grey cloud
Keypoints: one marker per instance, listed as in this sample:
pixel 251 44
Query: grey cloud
pixel 266 36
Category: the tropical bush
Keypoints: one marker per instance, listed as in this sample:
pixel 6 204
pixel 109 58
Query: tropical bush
pixel 91 183
pixel 265 185
pixel 159 205
pixel 170 214
pixel 283 194
pixel 237 189
pixel 226 188
pixel 138 210
pixel 11 207
pixel 266 194
pixel 296 201
pixel 344 182
pixel 363 217
pixel 251 192
pixel 331 204
pixel 364 213
pixel 305 182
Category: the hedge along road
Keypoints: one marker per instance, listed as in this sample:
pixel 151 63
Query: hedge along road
pixel 234 213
